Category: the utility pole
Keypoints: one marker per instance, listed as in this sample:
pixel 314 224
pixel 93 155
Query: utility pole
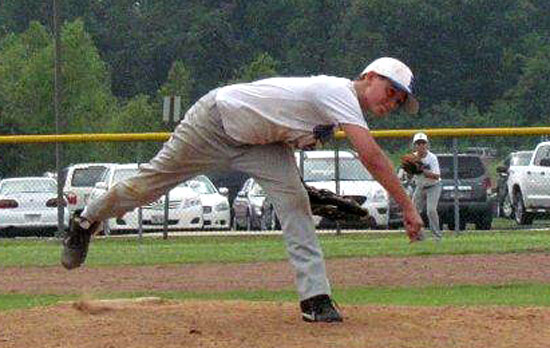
pixel 58 124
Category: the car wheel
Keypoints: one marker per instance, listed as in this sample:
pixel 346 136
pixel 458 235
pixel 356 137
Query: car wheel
pixel 498 209
pixel 485 222
pixel 248 221
pixel 234 224
pixel 521 216
pixel 507 208
pixel 265 221
pixel 106 228
pixel 269 220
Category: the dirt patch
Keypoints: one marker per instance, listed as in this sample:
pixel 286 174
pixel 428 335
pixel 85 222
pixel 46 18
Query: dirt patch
pixel 229 324
pixel 385 271
pixel 268 324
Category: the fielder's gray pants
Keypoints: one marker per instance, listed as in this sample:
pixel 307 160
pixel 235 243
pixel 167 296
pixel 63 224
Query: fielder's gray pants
pixel 429 196
pixel 198 145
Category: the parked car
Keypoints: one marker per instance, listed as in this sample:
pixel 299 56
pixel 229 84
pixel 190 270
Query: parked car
pixel 473 190
pixel 483 152
pixel 247 206
pixel 355 183
pixel 29 204
pixel 504 202
pixel 184 207
pixel 79 181
pixel 529 187
pixel 215 205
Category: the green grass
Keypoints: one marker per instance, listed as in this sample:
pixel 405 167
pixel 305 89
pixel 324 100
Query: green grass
pixel 17 301
pixel 175 250
pixel 224 249
pixel 462 295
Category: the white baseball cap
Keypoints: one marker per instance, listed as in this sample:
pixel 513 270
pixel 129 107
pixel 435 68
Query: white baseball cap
pixel 420 136
pixel 401 77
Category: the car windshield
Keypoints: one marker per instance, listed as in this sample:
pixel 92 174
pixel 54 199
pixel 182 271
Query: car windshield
pixel 23 186
pixel 322 169
pixel 200 185
pixel 469 167
pixel 123 174
pixel 87 177
pixel 521 159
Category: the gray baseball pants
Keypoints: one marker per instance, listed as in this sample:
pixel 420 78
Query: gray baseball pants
pixel 429 196
pixel 198 145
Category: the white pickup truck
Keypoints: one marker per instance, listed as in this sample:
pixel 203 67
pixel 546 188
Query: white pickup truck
pixel 529 186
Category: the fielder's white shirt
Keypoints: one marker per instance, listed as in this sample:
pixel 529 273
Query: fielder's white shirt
pixel 432 164
pixel 296 110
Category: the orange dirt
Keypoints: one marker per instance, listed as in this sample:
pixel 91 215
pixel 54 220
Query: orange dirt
pixel 161 323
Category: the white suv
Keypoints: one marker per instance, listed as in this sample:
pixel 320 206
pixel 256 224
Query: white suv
pixel 79 181
pixel 529 186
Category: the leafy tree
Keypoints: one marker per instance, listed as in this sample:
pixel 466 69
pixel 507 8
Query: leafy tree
pixel 138 115
pixel 26 89
pixel 532 92
pixel 262 67
pixel 464 53
pixel 179 83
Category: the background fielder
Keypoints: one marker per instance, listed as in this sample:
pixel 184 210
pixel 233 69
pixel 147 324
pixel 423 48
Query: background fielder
pixel 428 183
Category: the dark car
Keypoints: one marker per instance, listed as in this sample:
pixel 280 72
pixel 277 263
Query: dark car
pixel 504 203
pixel 232 180
pixel 472 189
pixel 247 206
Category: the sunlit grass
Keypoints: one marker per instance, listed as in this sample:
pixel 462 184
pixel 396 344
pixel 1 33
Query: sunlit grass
pixel 461 295
pixel 177 250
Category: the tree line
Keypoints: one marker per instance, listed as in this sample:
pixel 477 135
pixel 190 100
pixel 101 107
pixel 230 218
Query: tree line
pixel 480 63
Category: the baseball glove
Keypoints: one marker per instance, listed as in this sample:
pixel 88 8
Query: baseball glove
pixel 334 207
pixel 412 164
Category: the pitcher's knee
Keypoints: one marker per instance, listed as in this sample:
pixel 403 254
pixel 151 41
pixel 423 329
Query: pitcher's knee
pixel 132 190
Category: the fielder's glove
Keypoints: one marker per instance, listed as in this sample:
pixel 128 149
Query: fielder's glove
pixel 334 207
pixel 412 164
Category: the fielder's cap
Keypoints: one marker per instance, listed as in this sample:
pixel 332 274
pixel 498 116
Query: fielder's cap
pixel 420 137
pixel 401 77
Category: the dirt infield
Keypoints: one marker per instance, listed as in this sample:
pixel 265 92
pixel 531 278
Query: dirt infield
pixel 156 323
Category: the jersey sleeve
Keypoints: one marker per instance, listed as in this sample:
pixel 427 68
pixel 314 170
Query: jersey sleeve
pixel 339 103
pixel 434 165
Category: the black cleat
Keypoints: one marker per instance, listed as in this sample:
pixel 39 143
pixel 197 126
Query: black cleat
pixel 320 308
pixel 75 244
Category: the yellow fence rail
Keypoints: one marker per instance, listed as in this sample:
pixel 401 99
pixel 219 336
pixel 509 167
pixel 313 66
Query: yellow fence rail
pixel 163 136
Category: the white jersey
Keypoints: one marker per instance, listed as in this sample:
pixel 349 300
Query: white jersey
pixel 432 164
pixel 295 110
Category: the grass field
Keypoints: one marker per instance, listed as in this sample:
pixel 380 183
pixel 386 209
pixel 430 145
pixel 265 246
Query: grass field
pixel 224 249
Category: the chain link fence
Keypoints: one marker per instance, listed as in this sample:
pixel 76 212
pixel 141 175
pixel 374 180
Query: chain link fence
pixel 488 183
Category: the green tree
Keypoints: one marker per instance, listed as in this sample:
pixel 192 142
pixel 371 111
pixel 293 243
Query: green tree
pixel 262 67
pixel 26 90
pixel 179 83
pixel 138 115
pixel 532 93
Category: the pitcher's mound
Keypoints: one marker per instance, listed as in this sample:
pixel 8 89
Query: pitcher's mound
pixel 98 306
pixel 151 322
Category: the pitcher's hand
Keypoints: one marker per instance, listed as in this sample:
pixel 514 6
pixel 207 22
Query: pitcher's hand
pixel 413 224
